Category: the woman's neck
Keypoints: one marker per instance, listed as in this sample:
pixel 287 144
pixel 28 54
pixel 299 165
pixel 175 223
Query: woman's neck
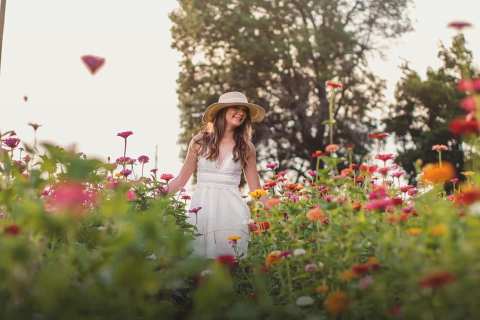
pixel 228 134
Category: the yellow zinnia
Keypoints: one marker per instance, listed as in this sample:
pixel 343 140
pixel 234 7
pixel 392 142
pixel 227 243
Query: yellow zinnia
pixel 234 237
pixel 257 194
pixel 439 230
pixel 414 231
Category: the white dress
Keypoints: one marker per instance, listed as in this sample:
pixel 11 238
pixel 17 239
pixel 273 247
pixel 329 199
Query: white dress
pixel 224 213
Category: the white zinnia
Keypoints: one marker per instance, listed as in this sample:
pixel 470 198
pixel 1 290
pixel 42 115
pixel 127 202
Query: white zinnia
pixel 305 301
pixel 299 252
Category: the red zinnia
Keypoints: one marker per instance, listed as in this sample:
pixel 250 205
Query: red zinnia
pixel 437 280
pixel 378 135
pixel 461 126
pixel 12 230
pixel 227 260
pixel 334 85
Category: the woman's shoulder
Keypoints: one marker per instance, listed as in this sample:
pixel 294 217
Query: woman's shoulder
pixel 250 147
pixel 197 142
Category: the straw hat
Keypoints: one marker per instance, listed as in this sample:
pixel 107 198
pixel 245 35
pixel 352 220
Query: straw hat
pixel 233 98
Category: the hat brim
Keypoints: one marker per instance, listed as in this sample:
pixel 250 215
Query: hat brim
pixel 257 113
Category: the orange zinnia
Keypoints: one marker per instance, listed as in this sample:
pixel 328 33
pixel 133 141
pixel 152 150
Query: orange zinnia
pixel 336 303
pixel 272 202
pixel 273 258
pixel 438 173
pixel 316 214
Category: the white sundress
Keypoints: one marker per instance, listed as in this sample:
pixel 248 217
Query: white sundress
pixel 224 213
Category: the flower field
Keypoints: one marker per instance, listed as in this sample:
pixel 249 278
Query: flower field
pixel 86 239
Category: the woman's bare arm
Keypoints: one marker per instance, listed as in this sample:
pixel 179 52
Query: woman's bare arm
pixel 188 168
pixel 251 173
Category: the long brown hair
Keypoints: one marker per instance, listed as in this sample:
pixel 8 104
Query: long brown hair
pixel 211 134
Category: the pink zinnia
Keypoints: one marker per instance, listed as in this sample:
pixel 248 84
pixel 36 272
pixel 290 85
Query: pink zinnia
pixel 398 174
pixel 440 147
pixel 125 134
pixel 131 195
pixel 468 104
pixel 379 204
pixel 406 188
pixel 166 176
pixel 69 196
pixel 384 171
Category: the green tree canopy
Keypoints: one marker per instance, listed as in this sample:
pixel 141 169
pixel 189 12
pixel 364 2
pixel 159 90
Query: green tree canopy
pixel 280 54
pixel 424 108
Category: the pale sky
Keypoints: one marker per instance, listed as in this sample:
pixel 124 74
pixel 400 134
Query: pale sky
pixel 136 89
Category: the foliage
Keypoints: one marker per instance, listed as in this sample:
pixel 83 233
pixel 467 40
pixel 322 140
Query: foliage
pixel 424 108
pixel 280 54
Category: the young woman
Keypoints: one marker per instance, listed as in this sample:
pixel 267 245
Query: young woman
pixel 219 153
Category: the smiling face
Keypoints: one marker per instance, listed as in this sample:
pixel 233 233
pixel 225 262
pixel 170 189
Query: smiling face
pixel 236 115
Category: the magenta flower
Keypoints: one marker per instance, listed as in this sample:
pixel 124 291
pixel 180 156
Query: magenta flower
pixel 186 197
pixel 195 210
pixel 312 173
pixel 125 134
pixel 93 63
pixel 459 25
pixel 123 160
pixel 125 172
pixel 272 165
pixel 11 142
pixel 143 159
pixel 166 176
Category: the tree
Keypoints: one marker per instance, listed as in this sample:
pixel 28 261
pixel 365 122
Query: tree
pixel 424 108
pixel 280 54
